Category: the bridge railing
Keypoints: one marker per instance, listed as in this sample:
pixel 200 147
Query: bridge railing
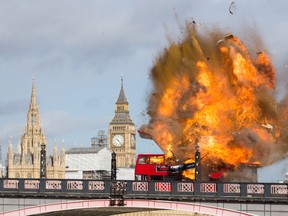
pixel 187 189
pixel 147 189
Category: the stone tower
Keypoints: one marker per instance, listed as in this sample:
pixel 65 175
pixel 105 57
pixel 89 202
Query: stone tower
pixel 26 162
pixel 122 133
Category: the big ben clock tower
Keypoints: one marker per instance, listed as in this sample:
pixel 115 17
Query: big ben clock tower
pixel 122 133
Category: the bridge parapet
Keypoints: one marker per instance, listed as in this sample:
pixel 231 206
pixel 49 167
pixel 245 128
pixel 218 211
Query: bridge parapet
pixel 178 190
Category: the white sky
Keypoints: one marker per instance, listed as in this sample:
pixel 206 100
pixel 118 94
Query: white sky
pixel 77 51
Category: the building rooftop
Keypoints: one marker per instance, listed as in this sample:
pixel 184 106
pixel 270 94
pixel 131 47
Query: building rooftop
pixel 85 150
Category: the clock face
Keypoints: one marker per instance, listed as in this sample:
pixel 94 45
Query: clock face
pixel 118 140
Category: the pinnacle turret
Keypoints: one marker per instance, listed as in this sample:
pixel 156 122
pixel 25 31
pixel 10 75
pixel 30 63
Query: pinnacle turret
pixel 33 115
pixel 33 103
pixel 122 98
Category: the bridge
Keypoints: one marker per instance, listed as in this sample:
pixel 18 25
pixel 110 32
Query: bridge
pixel 41 196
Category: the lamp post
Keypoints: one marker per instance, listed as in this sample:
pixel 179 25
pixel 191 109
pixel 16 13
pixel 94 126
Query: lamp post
pixel 113 184
pixel 113 166
pixel 197 164
pixel 43 161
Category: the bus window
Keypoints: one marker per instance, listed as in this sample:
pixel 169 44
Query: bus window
pixel 143 160
pixel 157 159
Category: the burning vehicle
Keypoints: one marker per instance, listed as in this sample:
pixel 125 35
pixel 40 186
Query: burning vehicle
pixel 155 167
pixel 158 167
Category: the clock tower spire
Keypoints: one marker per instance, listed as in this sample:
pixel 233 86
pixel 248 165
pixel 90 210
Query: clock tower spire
pixel 121 133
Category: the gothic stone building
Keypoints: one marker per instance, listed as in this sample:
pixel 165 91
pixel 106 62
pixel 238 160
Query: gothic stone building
pixel 26 162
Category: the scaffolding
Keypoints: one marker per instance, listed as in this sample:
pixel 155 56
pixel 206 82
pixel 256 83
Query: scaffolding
pixel 100 140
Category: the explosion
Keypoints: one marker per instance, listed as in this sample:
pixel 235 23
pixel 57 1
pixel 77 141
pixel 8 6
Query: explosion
pixel 208 89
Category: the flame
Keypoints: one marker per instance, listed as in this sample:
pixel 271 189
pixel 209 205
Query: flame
pixel 189 174
pixel 213 93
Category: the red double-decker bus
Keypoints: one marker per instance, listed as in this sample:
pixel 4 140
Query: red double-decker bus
pixel 154 167
pixel 148 167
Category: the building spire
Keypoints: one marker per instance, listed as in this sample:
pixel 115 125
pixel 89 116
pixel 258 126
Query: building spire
pixel 33 132
pixel 121 110
pixel 33 115
pixel 10 150
pixel 63 154
pixel 33 103
pixel 122 98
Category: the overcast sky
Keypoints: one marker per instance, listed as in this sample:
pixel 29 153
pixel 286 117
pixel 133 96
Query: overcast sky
pixel 78 50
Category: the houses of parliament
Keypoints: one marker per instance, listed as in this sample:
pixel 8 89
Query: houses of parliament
pixel 25 162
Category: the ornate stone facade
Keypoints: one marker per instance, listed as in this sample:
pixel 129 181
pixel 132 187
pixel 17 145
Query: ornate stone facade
pixel 122 133
pixel 26 162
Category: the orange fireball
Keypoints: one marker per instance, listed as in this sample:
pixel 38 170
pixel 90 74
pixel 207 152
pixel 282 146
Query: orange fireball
pixel 210 91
